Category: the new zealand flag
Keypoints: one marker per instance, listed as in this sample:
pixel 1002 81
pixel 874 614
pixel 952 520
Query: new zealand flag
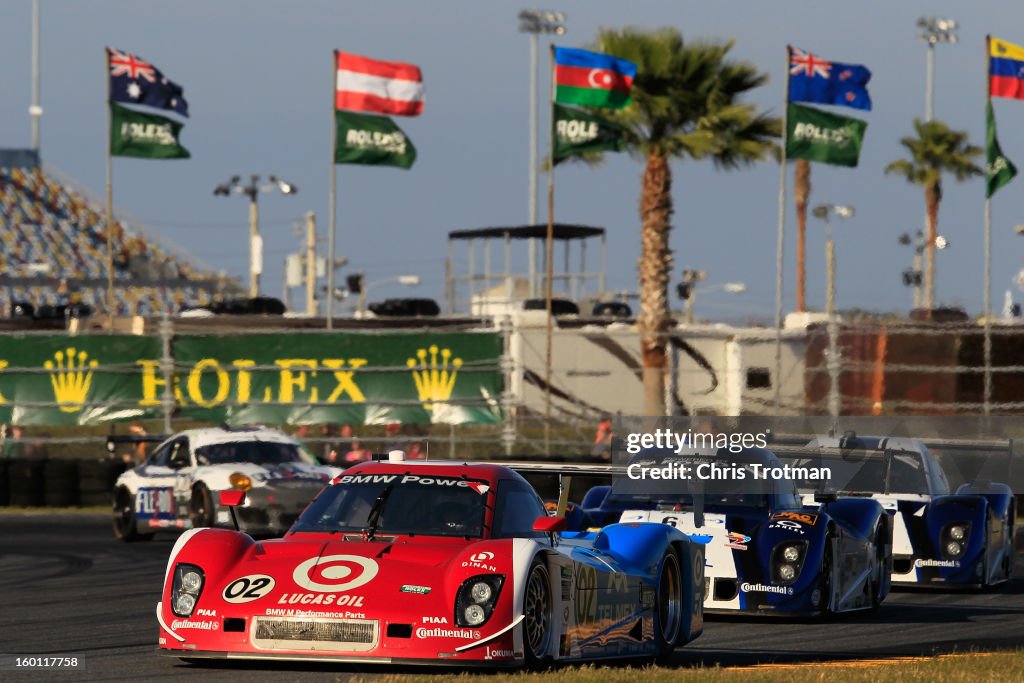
pixel 135 81
pixel 812 79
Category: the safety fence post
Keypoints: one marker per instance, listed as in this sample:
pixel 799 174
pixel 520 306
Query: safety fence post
pixel 167 370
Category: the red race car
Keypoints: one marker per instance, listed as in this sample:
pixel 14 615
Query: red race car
pixel 431 563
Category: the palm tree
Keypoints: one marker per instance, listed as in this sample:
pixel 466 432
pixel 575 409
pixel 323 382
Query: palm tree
pixel 685 105
pixel 935 150
pixel 801 193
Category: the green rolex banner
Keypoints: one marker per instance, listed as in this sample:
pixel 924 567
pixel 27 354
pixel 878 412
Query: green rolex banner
pixel 999 170
pixel 371 140
pixel 144 136
pixel 347 378
pixel 578 132
pixel 816 135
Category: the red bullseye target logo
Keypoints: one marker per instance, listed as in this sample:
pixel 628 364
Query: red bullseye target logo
pixel 335 573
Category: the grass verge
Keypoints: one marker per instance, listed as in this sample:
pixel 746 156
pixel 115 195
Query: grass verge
pixel 952 668
pixel 85 510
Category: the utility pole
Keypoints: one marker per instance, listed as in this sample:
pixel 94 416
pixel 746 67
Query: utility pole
pixel 824 212
pixel 310 264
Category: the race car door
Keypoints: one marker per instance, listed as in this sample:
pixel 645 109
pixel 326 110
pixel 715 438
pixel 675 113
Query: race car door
pixel 155 499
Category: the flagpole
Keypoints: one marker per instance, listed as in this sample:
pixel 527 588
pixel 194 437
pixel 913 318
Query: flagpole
pixel 780 244
pixel 333 199
pixel 110 200
pixel 987 395
pixel 549 259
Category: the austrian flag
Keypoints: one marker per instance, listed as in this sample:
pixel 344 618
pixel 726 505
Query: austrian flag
pixel 364 84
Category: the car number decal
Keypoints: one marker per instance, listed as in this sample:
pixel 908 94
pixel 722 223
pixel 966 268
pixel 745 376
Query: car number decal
pixel 248 588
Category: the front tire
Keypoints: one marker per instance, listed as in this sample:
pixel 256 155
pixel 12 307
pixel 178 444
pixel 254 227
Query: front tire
pixel 537 626
pixel 126 526
pixel 825 581
pixel 669 601
pixel 200 508
pixel 1010 544
pixel 881 566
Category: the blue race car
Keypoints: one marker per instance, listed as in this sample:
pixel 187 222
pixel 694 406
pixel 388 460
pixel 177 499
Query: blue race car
pixel 766 552
pixel 940 538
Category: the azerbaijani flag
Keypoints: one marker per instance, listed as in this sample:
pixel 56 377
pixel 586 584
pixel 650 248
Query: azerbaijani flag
pixel 1006 69
pixel 592 79
pixel 365 84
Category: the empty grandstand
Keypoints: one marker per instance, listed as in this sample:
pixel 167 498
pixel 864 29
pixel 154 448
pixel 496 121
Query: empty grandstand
pixel 53 252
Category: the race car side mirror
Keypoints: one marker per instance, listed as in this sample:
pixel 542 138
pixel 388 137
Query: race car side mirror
pixel 232 498
pixel 549 525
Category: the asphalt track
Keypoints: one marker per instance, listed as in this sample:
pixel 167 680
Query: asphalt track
pixel 66 586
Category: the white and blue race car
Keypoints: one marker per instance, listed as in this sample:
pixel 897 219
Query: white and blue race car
pixel 767 552
pixel 940 537
pixel 177 487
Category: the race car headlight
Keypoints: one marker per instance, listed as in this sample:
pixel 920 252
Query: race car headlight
pixel 474 615
pixel 481 592
pixel 954 538
pixel 240 481
pixel 787 561
pixel 186 589
pixel 476 599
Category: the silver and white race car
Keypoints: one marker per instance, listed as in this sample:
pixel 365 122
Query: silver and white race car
pixel 177 487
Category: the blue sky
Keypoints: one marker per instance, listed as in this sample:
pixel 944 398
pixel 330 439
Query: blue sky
pixel 258 78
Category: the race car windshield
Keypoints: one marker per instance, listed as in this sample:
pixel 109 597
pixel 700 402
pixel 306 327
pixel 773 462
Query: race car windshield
pixel 442 507
pixel 860 472
pixel 258 452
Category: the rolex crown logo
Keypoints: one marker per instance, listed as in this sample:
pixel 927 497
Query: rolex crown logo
pixel 71 376
pixel 434 380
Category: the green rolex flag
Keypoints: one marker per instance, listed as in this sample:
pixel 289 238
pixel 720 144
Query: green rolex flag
pixel 371 140
pixel 999 170
pixel 144 136
pixel 816 135
pixel 578 132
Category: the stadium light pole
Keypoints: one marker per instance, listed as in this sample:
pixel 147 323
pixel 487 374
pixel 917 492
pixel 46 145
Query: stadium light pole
pixel 35 110
pixel 824 212
pixel 535 22
pixel 934 30
pixel 252 190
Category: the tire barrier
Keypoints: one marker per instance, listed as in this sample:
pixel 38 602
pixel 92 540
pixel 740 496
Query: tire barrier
pixel 60 483
pixel 25 482
pixel 96 480
pixel 5 489
pixel 57 482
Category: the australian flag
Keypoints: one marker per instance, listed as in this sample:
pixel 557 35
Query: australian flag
pixel 812 79
pixel 136 81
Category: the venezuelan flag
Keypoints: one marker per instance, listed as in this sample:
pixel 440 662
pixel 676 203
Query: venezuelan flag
pixel 1006 69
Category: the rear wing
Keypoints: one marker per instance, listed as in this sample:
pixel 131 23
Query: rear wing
pixel 787 442
pixel 114 440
